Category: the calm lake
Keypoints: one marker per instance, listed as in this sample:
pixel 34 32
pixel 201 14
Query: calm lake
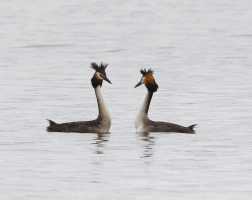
pixel 201 54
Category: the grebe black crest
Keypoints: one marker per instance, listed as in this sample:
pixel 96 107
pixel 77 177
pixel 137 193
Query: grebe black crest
pixel 103 122
pixel 142 122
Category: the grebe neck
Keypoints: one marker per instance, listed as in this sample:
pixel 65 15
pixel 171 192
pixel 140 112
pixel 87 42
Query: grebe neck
pixel 146 104
pixel 103 110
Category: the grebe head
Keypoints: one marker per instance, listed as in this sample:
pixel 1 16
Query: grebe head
pixel 148 80
pixel 99 74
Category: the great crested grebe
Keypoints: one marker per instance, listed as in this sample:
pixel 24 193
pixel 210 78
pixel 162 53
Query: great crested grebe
pixel 142 122
pixel 103 122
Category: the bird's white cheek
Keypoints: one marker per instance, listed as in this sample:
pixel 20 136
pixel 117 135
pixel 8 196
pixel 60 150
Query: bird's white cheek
pixel 100 77
pixel 143 79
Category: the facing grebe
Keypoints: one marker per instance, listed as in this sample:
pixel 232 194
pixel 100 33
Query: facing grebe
pixel 103 122
pixel 142 122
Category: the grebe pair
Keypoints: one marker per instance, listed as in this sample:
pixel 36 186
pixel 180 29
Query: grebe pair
pixel 103 122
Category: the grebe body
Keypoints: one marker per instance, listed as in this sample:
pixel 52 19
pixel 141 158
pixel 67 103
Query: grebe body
pixel 142 122
pixel 103 122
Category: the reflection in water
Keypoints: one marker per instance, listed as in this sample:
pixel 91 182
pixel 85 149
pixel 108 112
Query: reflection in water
pixel 100 141
pixel 148 143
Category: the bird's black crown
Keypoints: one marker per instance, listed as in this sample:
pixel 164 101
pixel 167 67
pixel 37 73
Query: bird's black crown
pixel 143 71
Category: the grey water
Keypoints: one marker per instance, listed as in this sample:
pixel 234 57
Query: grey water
pixel 201 54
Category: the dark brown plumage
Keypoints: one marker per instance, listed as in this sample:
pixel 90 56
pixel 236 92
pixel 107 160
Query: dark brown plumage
pixel 77 127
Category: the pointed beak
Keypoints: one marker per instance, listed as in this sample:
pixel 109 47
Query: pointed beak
pixel 140 83
pixel 106 79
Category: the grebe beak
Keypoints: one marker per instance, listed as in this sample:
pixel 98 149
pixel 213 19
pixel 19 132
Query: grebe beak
pixel 106 79
pixel 140 83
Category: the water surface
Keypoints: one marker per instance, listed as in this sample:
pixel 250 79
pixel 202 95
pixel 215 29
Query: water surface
pixel 201 55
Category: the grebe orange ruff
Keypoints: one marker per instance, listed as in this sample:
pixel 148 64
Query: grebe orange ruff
pixel 103 122
pixel 142 122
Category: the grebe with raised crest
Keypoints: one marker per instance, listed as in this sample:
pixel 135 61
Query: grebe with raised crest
pixel 142 122
pixel 103 122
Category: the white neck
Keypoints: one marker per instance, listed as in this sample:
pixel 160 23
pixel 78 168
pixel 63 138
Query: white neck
pixel 145 107
pixel 142 115
pixel 103 110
